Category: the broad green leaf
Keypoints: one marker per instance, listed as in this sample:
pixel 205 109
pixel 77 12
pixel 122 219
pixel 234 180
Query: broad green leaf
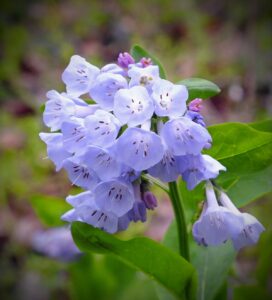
pixel 155 260
pixel 251 292
pixel 200 88
pixel 138 52
pixel 49 209
pixel 265 125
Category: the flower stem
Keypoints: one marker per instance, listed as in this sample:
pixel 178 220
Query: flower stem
pixel 180 220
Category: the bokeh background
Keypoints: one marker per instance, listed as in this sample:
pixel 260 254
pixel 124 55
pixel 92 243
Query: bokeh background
pixel 228 42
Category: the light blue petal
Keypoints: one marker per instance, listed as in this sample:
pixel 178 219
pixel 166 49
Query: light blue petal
pixel 133 106
pixel 167 169
pixel 105 87
pixel 183 136
pixel 74 135
pixel 79 174
pixel 102 128
pixel 102 162
pixel 170 99
pixel 58 108
pixel 143 76
pixel 139 149
pixel 79 76
pixel 55 149
pixel 114 196
pixel 250 233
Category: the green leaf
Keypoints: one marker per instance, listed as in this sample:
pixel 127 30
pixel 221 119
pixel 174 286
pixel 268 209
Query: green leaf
pixel 49 209
pixel 247 155
pixel 155 260
pixel 200 88
pixel 138 52
pixel 265 125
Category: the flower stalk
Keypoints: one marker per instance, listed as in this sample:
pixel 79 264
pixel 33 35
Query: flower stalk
pixel 180 220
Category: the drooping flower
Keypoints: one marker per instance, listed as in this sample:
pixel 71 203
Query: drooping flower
pixel 55 149
pixel 133 106
pixel 183 136
pixel 79 173
pixel 216 224
pixel 196 168
pixel 105 87
pixel 251 229
pixel 114 196
pixel 101 128
pixel 139 149
pixel 170 99
pixel 85 210
pixel 102 162
pixel 58 108
pixel 74 135
pixel 79 76
pixel 167 168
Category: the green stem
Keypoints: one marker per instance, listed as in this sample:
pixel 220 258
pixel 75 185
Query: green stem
pixel 180 220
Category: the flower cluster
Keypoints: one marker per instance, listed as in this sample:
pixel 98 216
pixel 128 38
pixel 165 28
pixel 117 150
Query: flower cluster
pixel 221 221
pixel 135 123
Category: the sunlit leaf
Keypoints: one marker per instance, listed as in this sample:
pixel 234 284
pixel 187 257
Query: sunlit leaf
pixel 200 88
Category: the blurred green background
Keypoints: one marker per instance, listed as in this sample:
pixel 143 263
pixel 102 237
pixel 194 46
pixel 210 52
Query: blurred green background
pixel 223 41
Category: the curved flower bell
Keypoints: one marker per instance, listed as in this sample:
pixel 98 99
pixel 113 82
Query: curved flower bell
pixel 216 224
pixel 79 76
pixel 250 232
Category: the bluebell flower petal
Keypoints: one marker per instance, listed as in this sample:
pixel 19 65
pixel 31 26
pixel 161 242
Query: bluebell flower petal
pixel 143 76
pixel 250 233
pixel 196 168
pixel 80 174
pixel 79 76
pixel 113 69
pixel 102 128
pixel 114 196
pixel 170 99
pixel 183 136
pixel 55 149
pixel 58 108
pixel 85 198
pixel 133 106
pixel 139 149
pixel 74 135
pixel 216 225
pixel 167 169
pixel 94 216
pixel 123 222
pixel 105 87
pixel 102 162
pixel 196 117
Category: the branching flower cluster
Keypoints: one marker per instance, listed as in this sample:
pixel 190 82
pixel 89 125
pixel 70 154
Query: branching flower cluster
pixel 133 123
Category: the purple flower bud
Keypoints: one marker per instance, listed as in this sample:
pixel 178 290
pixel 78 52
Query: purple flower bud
pixel 150 200
pixel 146 62
pixel 125 59
pixel 196 117
pixel 196 105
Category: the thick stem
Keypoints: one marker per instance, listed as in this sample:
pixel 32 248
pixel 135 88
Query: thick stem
pixel 180 220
